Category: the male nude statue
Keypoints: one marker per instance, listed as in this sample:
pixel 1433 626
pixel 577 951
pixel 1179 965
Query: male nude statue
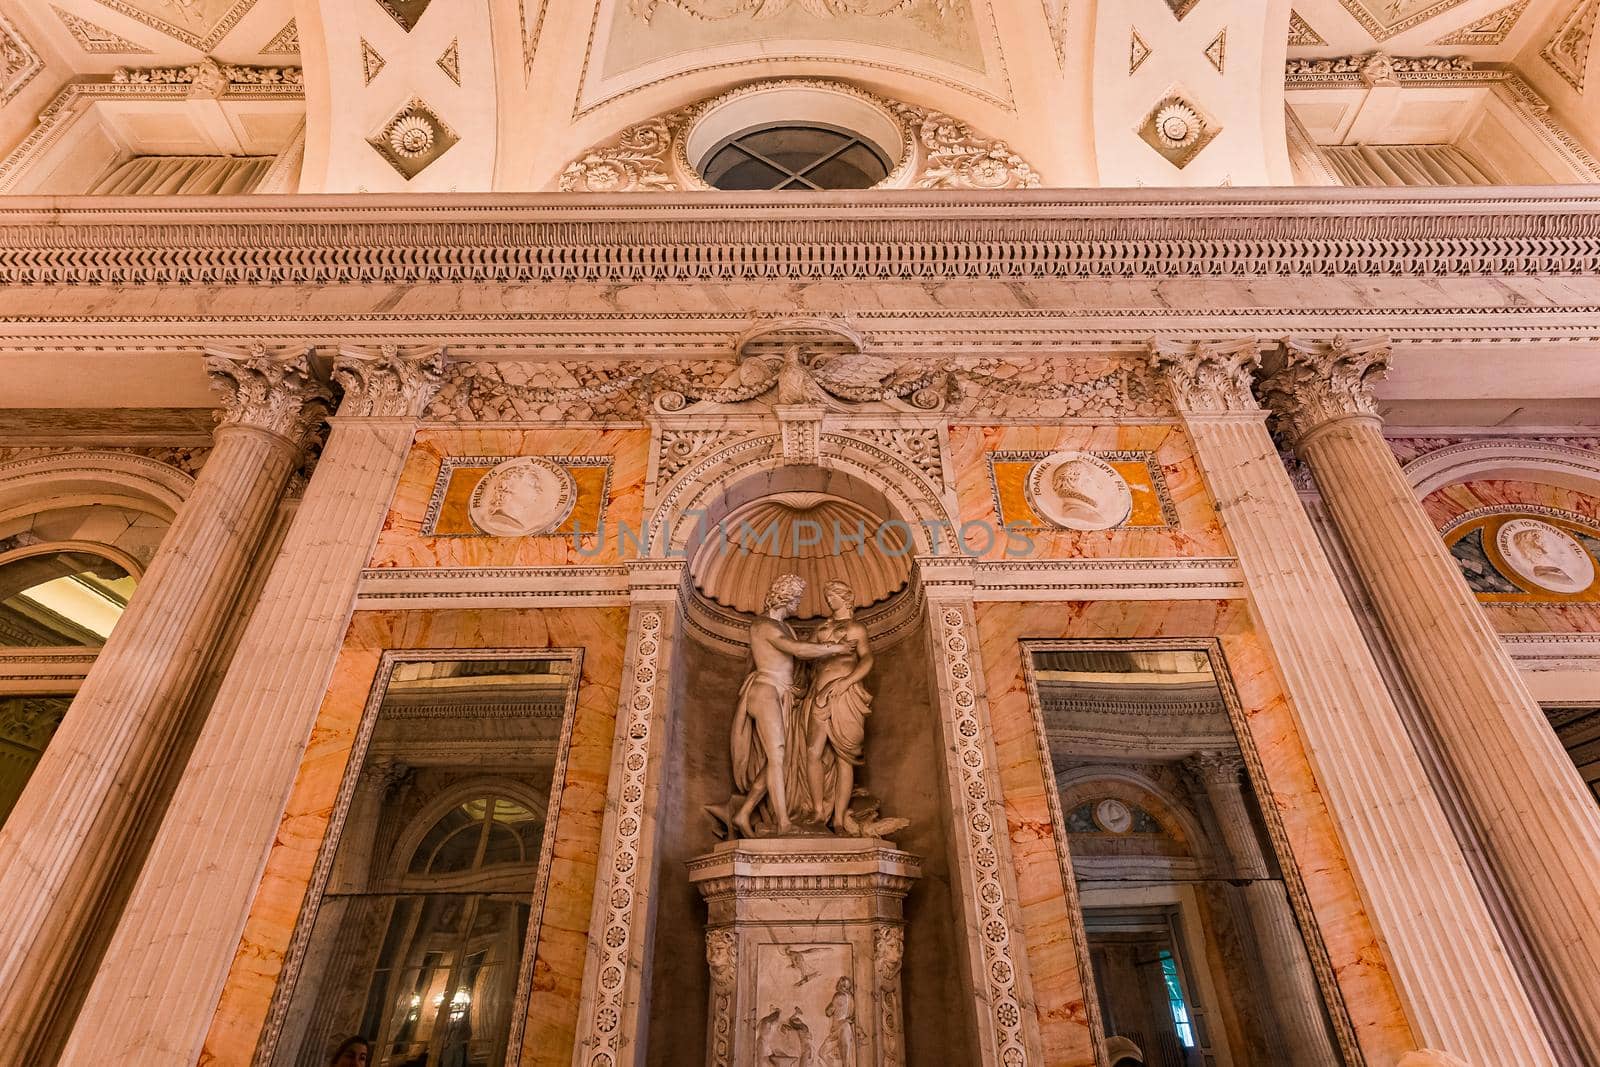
pixel 766 700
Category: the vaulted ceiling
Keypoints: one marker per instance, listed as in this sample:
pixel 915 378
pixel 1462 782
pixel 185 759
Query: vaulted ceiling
pixel 503 94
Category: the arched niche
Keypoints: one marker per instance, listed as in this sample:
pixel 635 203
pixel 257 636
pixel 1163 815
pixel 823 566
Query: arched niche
pixel 704 516
pixel 67 479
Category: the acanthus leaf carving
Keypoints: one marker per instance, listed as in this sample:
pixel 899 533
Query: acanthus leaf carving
pixel 1208 377
pixel 958 157
pixel 208 77
pixel 1317 382
pixel 276 393
pixel 388 384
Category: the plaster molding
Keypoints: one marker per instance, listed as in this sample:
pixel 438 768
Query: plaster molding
pixel 1010 234
pixel 1318 382
pixel 936 151
pixel 1574 463
pixel 20 63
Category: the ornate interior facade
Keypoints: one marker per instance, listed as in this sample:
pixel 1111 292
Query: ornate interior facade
pixel 800 533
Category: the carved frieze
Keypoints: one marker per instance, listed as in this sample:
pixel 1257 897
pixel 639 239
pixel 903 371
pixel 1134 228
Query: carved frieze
pixel 208 77
pixel 502 391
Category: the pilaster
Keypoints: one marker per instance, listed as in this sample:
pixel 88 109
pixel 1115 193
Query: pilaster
pixel 63 850
pixel 152 1000
pixel 615 1008
pixel 1447 960
pixel 1539 826
pixel 994 967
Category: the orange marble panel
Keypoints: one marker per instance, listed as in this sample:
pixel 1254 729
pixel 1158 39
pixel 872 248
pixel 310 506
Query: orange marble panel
pixel 564 930
pixel 1526 612
pixel 402 543
pixel 1353 946
pixel 1198 532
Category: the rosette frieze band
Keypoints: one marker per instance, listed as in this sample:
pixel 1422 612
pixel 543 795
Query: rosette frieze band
pixel 276 392
pixel 1208 377
pixel 389 383
pixel 1313 383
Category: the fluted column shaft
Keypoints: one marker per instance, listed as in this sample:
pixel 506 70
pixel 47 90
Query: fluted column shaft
pixel 1447 961
pixel 1296 999
pixel 615 1008
pixel 63 847
pixel 152 1001
pixel 1540 826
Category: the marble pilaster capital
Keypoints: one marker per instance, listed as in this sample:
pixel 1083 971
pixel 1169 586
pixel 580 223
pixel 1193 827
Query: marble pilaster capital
pixel 275 392
pixel 1208 377
pixel 1215 768
pixel 389 383
pixel 1316 382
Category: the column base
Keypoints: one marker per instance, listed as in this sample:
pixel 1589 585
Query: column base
pixel 804 942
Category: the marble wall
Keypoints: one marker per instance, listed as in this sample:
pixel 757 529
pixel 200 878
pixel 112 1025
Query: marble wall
pixel 1352 945
pixel 426 526
pixel 1172 515
pixel 563 933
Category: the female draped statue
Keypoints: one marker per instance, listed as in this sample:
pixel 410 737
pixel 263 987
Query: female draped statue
pixel 831 721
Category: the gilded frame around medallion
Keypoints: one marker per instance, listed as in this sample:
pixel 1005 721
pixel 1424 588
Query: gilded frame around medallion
pixel 266 1050
pixel 1299 902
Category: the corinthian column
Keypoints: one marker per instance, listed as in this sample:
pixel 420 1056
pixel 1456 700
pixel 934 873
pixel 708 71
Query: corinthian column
pixel 1540 827
pixel 65 843
pixel 1292 985
pixel 153 998
pixel 1443 952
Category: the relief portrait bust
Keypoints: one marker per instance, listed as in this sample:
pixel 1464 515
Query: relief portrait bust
pixel 1078 491
pixel 521 497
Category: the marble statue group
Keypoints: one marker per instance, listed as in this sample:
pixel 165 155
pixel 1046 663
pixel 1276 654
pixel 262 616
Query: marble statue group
pixel 796 748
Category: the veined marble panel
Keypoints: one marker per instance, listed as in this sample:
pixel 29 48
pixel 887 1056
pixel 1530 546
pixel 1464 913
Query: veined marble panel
pixel 564 930
pixel 609 475
pixel 1172 514
pixel 1353 950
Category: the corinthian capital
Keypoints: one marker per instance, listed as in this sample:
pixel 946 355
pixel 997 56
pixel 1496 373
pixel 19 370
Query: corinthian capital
pixel 1318 382
pixel 276 392
pixel 1215 768
pixel 1208 377
pixel 387 383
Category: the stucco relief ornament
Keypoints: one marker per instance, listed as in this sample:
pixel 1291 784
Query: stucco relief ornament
pixel 718 10
pixel 1546 556
pixel 958 157
pixel 1079 492
pixel 522 497
pixel 636 163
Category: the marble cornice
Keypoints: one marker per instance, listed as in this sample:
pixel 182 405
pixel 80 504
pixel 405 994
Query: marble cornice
pixel 711 237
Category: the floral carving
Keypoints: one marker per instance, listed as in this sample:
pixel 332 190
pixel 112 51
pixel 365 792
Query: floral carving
pixel 1321 381
pixel 888 950
pixel 722 955
pixel 919 447
pixel 651 157
pixel 605 1034
pixel 636 162
pixel 389 384
pixel 208 76
pixel 1568 50
pixel 958 157
pixel 1208 377
pixel 279 394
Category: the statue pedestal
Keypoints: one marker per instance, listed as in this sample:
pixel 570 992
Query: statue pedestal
pixel 804 943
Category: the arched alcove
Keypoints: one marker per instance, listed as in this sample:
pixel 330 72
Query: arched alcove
pixel 713 504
